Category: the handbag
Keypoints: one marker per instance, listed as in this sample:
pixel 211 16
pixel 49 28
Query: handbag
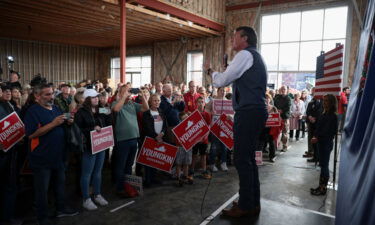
pixel 75 139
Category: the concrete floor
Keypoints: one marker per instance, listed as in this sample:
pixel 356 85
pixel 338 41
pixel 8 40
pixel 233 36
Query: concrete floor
pixel 285 194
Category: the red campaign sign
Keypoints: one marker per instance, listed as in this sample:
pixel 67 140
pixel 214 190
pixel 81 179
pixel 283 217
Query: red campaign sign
pixel 191 130
pixel 222 106
pixel 102 140
pixel 273 120
pixel 12 131
pixel 157 155
pixel 259 158
pixel 223 130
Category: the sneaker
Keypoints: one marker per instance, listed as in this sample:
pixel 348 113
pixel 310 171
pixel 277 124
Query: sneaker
pixel 98 199
pixel 272 159
pixel 206 175
pixel 89 204
pixel 67 212
pixel 213 168
pixel 224 166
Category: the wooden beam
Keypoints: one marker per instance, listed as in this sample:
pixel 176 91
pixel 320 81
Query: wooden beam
pixel 183 14
pixel 173 19
pixel 256 4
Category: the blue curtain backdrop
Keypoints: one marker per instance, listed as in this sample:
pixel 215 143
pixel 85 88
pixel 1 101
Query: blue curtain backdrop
pixel 356 189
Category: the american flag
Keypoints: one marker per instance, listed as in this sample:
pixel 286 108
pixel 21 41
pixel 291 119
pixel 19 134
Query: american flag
pixel 328 78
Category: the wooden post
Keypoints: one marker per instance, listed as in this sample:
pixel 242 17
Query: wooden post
pixel 123 41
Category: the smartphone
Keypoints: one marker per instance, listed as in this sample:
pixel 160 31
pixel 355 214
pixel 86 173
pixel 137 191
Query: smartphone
pixel 134 91
pixel 104 110
pixel 67 116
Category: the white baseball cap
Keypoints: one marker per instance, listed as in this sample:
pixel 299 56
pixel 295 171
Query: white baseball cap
pixel 90 93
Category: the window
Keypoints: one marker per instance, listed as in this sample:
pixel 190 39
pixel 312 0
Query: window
pixel 195 68
pixel 290 43
pixel 138 70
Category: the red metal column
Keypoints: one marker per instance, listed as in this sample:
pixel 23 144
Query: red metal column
pixel 123 41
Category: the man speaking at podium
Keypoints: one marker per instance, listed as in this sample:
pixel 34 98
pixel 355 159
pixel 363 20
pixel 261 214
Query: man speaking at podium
pixel 248 74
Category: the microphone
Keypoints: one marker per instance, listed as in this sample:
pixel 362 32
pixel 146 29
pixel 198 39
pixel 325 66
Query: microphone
pixel 225 60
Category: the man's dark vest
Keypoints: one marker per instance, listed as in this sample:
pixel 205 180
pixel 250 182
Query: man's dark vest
pixel 249 90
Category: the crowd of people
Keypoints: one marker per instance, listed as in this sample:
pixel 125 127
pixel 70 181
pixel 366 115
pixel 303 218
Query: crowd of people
pixel 52 114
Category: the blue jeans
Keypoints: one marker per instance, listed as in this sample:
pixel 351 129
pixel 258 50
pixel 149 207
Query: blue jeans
pixel 248 125
pixel 42 177
pixel 125 156
pixel 8 187
pixel 92 166
pixel 325 148
pixel 217 147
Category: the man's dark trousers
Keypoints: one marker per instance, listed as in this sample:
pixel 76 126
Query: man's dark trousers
pixel 248 125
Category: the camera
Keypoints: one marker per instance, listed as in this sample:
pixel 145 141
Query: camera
pixel 134 91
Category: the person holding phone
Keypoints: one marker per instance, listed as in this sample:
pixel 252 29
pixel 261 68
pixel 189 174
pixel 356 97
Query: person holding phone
pixel 44 128
pixel 126 132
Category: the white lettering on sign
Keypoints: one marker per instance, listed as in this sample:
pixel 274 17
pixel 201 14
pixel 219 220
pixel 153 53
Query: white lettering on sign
pixel 158 155
pixel 192 130
pixel 224 127
pixel 102 140
pixel 10 130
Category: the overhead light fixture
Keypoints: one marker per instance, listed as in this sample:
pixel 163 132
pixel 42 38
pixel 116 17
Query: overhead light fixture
pixel 190 23
pixel 168 17
pixel 181 25
pixel 103 7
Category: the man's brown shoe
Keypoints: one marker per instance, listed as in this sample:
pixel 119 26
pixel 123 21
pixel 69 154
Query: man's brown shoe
pixel 235 211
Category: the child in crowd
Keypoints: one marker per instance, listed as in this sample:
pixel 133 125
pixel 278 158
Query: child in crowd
pixel 269 134
pixel 217 147
pixel 202 146
pixel 183 160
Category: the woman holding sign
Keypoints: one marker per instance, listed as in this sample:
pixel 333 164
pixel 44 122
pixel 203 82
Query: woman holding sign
pixel 154 126
pixel 88 119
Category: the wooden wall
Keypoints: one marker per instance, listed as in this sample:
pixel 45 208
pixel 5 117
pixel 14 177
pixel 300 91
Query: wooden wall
pixel 210 9
pixel 54 61
pixel 212 48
